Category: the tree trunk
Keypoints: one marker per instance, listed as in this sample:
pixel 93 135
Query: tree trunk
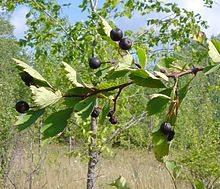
pixel 93 156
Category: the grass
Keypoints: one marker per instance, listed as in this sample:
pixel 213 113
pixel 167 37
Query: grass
pixel 57 171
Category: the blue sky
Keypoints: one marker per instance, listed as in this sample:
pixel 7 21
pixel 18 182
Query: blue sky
pixel 75 14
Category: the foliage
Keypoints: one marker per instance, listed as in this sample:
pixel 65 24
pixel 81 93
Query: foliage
pixel 167 77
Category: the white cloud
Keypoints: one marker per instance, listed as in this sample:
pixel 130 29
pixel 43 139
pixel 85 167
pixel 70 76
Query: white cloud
pixel 18 20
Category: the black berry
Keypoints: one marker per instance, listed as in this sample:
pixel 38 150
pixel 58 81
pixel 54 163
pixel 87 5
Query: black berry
pixel 170 136
pixel 125 43
pixel 113 120
pixel 116 34
pixel 166 128
pixel 95 112
pixel 21 106
pixel 110 113
pixel 94 63
pixel 27 78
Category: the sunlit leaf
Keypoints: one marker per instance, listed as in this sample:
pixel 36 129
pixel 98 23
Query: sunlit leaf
pixel 31 71
pixel 71 75
pixel 26 120
pixel 162 75
pixel 120 183
pixel 210 69
pixel 106 27
pixel 142 57
pixel 56 123
pixel 43 97
pixel 214 50
pixel 125 62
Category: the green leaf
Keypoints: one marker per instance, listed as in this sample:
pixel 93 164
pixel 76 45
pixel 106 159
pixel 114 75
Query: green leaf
pixel 26 120
pixel 85 106
pixel 117 74
pixel 104 112
pixel 120 183
pixel 162 75
pixel 43 97
pixel 160 145
pixel 106 27
pixel 146 79
pixel 56 123
pixel 173 168
pixel 72 101
pixel 71 74
pixel 142 57
pixel 166 62
pixel 209 69
pixel 214 50
pixel 125 62
pixel 199 184
pixel 157 104
pixel 25 67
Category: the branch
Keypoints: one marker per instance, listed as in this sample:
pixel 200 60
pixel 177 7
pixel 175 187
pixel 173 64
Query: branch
pixel 96 91
pixel 194 71
pixel 58 23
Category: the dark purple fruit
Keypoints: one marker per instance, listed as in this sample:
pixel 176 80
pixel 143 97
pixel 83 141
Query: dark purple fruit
pixel 21 106
pixel 125 43
pixel 166 128
pixel 116 34
pixel 95 112
pixel 113 120
pixel 94 63
pixel 110 113
pixel 170 136
pixel 27 78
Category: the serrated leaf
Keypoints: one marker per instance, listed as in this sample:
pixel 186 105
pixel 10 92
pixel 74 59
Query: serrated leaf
pixel 25 67
pixel 166 62
pixel 146 79
pixel 160 145
pixel 56 123
pixel 142 57
pixel 85 107
pixel 104 112
pixel 106 27
pixel 209 69
pixel 43 97
pixel 214 50
pixel 71 74
pixel 120 183
pixel 26 120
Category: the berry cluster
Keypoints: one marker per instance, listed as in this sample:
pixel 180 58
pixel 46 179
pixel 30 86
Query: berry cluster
pixel 116 35
pixel 167 129
pixel 113 119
